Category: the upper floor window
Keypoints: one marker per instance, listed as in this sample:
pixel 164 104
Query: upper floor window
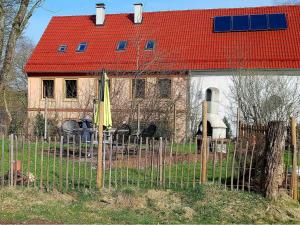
pixel 164 88
pixel 48 88
pixel 62 48
pixel 82 47
pixel 208 95
pixel 122 45
pixel 138 88
pixel 71 88
pixel 150 45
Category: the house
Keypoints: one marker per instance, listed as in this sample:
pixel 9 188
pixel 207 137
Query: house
pixel 158 61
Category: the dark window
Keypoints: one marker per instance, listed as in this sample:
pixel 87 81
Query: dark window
pixel 48 88
pixel 222 24
pixel 164 88
pixel 208 95
pixel 71 88
pixel 138 88
pixel 150 45
pixel 122 45
pixel 82 47
pixel 240 23
pixel 62 48
pixel 277 21
pixel 258 22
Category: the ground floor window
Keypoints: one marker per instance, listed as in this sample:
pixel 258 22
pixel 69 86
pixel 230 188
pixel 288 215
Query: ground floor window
pixel 138 88
pixel 164 88
pixel 48 88
pixel 71 88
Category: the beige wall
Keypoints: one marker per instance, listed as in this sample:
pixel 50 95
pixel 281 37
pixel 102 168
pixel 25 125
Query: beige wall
pixel 122 100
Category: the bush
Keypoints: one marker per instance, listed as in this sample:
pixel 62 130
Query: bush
pixel 39 126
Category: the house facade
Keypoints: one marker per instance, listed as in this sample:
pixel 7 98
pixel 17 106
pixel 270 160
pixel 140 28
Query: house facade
pixel 164 63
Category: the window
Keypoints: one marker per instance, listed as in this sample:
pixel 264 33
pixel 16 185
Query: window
pixel 48 88
pixel 62 48
pixel 82 47
pixel 122 46
pixel 164 88
pixel 208 95
pixel 150 45
pixel 71 88
pixel 138 88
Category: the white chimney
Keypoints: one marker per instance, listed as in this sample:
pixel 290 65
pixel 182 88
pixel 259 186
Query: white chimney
pixel 138 13
pixel 100 14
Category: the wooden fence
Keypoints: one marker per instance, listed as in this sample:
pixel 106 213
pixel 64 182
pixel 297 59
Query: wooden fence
pixel 68 163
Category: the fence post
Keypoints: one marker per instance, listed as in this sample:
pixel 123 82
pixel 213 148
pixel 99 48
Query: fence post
pixel 295 167
pixel 12 160
pixel 100 147
pixel 160 162
pixel 204 142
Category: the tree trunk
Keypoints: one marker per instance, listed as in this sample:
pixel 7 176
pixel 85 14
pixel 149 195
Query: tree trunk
pixel 1 28
pixel 274 172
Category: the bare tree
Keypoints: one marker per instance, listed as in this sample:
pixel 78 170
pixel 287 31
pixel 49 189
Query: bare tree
pixel 14 16
pixel 263 98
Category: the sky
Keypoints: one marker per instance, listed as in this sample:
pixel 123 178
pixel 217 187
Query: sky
pixel 42 16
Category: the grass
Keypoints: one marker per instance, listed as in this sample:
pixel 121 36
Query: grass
pixel 208 204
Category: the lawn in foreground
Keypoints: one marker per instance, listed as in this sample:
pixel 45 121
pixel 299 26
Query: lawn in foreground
pixel 205 204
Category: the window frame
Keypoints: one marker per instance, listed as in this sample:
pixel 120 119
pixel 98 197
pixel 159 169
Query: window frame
pixel 62 46
pixel 159 89
pixel 42 91
pixel 150 49
pixel 133 95
pixel 80 44
pixel 125 47
pixel 65 89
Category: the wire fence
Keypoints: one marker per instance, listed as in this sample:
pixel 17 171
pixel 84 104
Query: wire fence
pixel 69 164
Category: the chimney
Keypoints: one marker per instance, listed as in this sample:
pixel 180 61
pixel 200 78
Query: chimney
pixel 100 14
pixel 138 13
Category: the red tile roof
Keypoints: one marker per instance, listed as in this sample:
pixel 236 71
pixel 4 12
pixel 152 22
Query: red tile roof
pixel 184 41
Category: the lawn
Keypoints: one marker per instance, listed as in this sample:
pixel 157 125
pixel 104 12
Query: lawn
pixel 208 204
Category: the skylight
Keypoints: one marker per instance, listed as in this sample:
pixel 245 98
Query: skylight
pixel 82 47
pixel 122 45
pixel 62 48
pixel 250 22
pixel 150 45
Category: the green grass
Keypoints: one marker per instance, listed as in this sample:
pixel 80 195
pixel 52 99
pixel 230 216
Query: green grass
pixel 206 204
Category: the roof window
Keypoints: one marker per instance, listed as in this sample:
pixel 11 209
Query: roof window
pixel 62 48
pixel 150 45
pixel 122 45
pixel 82 47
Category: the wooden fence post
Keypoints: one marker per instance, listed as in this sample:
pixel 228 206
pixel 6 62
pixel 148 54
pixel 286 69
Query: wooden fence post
pixel 12 160
pixel 160 162
pixel 100 147
pixel 295 166
pixel 204 142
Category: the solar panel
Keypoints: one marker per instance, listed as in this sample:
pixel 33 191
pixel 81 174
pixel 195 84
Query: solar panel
pixel 258 22
pixel 277 21
pixel 240 23
pixel 222 24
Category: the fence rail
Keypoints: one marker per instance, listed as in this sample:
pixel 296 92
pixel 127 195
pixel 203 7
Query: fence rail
pixel 69 163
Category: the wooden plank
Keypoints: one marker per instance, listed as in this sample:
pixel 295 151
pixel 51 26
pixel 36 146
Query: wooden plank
pixel 79 164
pixel 2 161
pixel 245 164
pixel 11 151
pixel 182 164
pixel 233 164
pixel 42 166
pixel 170 163
pixel 176 164
pixel 60 163
pixel 73 163
pixel 110 162
pixel 22 161
pixel 204 140
pixel 214 159
pixel 127 164
pixel 146 161
pixel 227 162
pixel 164 163
pixel 35 161
pixel 250 167
pixel 16 159
pixel 48 163
pixel 54 163
pixel 122 158
pixel 239 167
pixel 85 164
pixel 91 168
pixel 195 163
pixel 116 161
pixel 67 164
pixel 139 161
pixel 152 163
pixel 160 162
pixel 221 162
pixel 189 164
pixel 28 162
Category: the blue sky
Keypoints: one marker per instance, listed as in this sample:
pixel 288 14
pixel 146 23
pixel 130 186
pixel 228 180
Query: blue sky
pixel 51 8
